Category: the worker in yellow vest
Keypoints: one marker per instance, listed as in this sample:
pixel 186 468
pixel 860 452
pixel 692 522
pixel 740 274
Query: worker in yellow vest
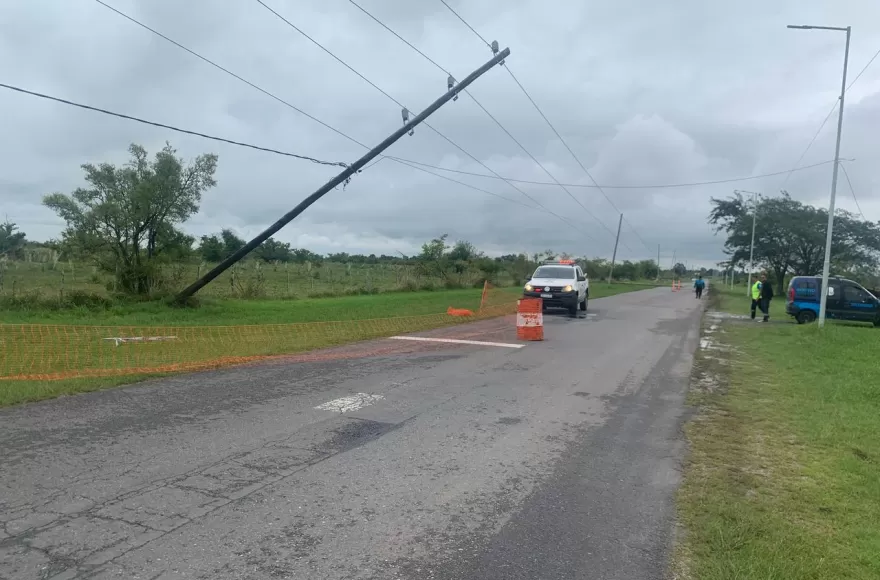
pixel 756 296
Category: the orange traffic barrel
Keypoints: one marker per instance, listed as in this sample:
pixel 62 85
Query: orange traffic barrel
pixel 530 319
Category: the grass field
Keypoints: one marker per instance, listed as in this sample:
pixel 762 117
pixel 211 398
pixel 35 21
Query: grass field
pixel 248 279
pixel 783 478
pixel 349 319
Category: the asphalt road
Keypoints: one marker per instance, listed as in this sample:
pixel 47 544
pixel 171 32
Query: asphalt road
pixel 395 459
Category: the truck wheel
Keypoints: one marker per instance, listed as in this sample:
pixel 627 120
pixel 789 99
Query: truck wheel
pixel 573 310
pixel 805 317
pixel 584 305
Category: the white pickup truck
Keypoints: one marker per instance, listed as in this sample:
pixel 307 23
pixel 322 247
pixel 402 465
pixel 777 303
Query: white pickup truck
pixel 561 284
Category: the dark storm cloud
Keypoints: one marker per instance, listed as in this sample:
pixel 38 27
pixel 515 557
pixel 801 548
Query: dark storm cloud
pixel 644 92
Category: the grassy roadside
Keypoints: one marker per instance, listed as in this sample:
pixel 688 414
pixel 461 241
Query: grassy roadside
pixel 783 477
pixel 234 312
pixel 240 312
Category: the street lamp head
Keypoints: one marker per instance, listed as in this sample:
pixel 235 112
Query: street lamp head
pixel 799 26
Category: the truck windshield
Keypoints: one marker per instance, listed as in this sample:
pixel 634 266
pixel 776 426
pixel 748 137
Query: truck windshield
pixel 564 272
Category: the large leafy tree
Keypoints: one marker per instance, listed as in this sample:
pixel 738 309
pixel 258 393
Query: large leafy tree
pixel 12 240
pixel 790 236
pixel 127 217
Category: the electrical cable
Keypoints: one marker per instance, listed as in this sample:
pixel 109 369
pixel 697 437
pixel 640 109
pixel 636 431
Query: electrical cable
pixel 642 186
pixel 546 120
pixel 828 116
pixel 171 127
pixel 398 103
pixel 503 128
pixel 852 191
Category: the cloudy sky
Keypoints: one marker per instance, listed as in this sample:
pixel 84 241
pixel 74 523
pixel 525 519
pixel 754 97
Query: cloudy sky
pixel 644 92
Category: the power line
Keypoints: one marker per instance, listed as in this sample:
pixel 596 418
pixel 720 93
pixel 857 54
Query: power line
pixel 229 72
pixel 546 120
pixel 286 103
pixel 809 145
pixel 398 103
pixel 414 164
pixel 465 22
pixel 468 185
pixel 503 128
pixel 643 186
pixel 828 116
pixel 852 190
pixel 171 127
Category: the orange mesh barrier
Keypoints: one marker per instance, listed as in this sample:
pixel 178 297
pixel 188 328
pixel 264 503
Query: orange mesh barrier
pixel 49 352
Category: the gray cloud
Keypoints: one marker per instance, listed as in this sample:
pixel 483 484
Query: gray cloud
pixel 644 92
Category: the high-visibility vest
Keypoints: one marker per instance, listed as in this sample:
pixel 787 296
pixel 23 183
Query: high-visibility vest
pixel 756 290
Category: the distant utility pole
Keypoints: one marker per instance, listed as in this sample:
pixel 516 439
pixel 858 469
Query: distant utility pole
pixel 407 127
pixel 658 262
pixel 614 255
pixel 673 264
pixel 752 246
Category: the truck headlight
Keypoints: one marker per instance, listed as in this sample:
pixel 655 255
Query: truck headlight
pixel 528 288
pixel 567 288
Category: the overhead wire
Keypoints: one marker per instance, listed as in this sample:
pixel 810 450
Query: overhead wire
pixel 227 71
pixel 640 186
pixel 852 190
pixel 546 120
pixel 500 125
pixel 171 127
pixel 398 103
pixel 828 116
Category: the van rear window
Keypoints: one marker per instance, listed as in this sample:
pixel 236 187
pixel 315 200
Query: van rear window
pixel 806 288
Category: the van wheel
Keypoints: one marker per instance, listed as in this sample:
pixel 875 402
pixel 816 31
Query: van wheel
pixel 808 316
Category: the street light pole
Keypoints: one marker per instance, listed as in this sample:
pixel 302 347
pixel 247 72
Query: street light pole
pixel 752 246
pixel 826 266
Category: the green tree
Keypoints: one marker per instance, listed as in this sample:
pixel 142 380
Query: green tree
pixel 463 251
pixel 128 215
pixel 274 251
pixel 231 242
pixel 679 269
pixel 790 236
pixel 12 241
pixel 212 249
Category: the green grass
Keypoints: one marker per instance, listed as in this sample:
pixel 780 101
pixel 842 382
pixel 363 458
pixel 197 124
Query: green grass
pixel 233 312
pixel 783 478
pixel 382 308
pixel 271 280
pixel 226 312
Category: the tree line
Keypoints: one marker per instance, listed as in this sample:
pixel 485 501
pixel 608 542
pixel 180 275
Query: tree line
pixel 127 221
pixel 790 238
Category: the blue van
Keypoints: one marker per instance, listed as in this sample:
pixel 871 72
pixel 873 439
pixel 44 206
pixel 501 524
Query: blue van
pixel 847 300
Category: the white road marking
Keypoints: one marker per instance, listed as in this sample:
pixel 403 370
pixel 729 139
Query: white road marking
pixel 350 403
pixel 457 341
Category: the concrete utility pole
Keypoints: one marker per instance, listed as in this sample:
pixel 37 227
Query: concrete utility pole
pixel 658 262
pixel 614 255
pixel 407 127
pixel 826 266
pixel 752 246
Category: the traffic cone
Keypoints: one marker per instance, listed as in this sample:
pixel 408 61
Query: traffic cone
pixel 529 319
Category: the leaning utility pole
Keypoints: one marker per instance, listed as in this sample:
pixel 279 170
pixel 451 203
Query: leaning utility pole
pixel 408 127
pixel 614 255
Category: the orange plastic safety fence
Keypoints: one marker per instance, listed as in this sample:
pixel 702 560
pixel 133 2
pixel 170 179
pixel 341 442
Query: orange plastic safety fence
pixel 49 352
